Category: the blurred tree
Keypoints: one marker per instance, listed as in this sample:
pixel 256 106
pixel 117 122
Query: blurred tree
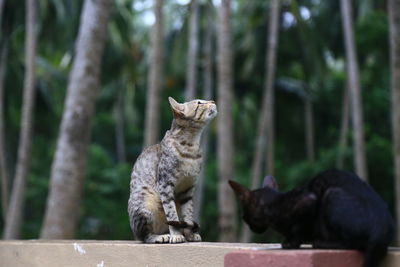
pixel 226 202
pixel 394 27
pixel 193 40
pixel 16 207
pixel 268 113
pixel 69 163
pixel 265 131
pixel 155 78
pixel 208 69
pixel 355 90
pixel 3 158
pixel 3 162
pixel 1 9
pixel 309 127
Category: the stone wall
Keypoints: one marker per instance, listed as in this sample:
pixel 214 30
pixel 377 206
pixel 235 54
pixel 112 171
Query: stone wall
pixel 76 253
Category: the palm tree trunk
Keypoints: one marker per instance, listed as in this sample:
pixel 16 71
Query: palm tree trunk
pixel 152 117
pixel 266 121
pixel 1 9
pixel 15 210
pixel 225 150
pixel 69 163
pixel 344 128
pixel 191 74
pixel 355 90
pixel 207 94
pixel 394 26
pixel 309 129
pixel 3 155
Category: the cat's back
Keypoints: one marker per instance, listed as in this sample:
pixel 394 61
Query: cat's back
pixel 145 168
pixel 344 180
pixel 349 183
pixel 365 209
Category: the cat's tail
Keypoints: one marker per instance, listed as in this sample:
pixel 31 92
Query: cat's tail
pixel 374 255
pixel 377 247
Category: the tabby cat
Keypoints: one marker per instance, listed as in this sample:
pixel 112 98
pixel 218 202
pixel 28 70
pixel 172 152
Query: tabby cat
pixel 160 205
pixel 335 210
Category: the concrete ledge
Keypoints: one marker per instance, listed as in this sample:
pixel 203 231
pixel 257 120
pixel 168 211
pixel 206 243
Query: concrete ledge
pixel 77 253
pixel 303 258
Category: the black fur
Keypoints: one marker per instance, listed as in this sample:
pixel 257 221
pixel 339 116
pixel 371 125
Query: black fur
pixel 335 210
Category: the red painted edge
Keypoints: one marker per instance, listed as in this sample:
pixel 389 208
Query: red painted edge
pixel 295 258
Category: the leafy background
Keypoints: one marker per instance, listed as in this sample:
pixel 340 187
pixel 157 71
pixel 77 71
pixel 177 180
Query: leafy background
pixel 123 84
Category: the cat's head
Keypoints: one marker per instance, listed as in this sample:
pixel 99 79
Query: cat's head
pixel 257 205
pixel 197 111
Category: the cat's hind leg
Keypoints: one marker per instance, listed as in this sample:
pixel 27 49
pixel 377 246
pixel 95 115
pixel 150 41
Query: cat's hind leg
pixel 147 219
pixel 142 224
pixel 191 237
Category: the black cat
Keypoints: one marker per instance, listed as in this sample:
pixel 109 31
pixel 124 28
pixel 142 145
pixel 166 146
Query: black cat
pixel 335 210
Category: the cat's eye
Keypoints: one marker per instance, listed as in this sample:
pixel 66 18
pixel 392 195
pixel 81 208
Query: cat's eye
pixel 198 103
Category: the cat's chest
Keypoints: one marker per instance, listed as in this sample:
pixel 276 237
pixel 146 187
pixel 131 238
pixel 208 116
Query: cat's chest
pixel 186 173
pixel 189 159
pixel 188 168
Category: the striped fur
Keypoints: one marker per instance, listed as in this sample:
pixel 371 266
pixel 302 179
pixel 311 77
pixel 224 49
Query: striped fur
pixel 164 176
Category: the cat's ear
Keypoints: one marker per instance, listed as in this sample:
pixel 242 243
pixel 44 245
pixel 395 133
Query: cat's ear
pixel 242 192
pixel 177 108
pixel 270 182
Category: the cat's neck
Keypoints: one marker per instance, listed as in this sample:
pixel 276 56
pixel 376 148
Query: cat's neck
pixel 186 133
pixel 284 205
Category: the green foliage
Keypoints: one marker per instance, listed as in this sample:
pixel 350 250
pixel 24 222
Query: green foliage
pixel 124 76
pixel 105 188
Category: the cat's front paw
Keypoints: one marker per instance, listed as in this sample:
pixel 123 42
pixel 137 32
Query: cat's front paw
pixel 192 237
pixel 176 239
